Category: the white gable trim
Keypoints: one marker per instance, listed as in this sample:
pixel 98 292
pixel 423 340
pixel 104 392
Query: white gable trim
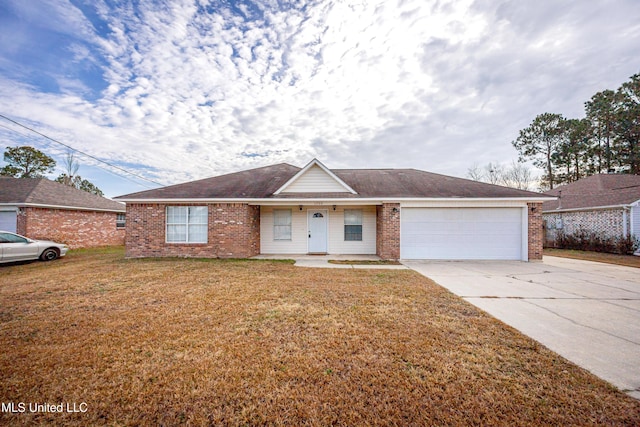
pixel 315 162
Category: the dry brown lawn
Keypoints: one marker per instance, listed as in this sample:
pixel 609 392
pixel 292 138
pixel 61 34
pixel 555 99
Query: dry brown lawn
pixel 195 342
pixel 627 260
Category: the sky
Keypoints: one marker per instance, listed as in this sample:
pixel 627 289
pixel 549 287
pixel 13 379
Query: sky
pixel 173 91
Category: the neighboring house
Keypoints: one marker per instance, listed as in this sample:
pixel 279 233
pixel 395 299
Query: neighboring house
pixel 605 204
pixel 43 209
pixel 282 209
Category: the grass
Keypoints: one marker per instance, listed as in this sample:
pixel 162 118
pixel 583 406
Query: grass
pixel 210 342
pixel 627 260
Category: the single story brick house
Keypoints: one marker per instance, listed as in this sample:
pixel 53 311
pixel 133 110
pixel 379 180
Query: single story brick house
pixel 606 204
pixel 42 209
pixel 284 209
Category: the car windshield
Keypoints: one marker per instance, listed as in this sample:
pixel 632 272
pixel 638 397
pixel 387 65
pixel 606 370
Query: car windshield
pixel 11 238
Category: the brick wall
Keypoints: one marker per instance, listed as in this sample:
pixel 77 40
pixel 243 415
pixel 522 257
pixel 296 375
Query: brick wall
pixel 78 229
pixel 536 231
pixel 388 231
pixel 608 223
pixel 234 232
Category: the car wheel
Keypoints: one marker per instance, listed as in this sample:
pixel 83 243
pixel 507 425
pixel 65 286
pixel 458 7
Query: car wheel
pixel 49 255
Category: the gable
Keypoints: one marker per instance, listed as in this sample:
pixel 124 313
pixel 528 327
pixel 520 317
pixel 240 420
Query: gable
pixel 315 178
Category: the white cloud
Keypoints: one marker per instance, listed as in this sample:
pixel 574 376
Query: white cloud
pixel 356 84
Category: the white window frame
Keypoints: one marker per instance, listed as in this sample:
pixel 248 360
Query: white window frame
pixel 278 231
pixel 121 220
pixel 188 222
pixel 357 213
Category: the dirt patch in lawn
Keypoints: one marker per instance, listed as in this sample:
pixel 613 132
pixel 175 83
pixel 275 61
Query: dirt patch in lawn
pixel 175 341
pixel 627 260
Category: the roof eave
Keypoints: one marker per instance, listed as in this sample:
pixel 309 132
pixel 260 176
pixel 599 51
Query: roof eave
pixel 593 208
pixel 75 208
pixel 346 200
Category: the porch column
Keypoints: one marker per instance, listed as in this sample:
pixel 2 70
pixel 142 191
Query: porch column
pixel 536 231
pixel 388 231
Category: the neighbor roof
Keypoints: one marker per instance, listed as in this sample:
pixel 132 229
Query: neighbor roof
pixel 42 192
pixel 262 183
pixel 596 191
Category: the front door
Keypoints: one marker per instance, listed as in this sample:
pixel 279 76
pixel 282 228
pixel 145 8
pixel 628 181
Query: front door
pixel 317 220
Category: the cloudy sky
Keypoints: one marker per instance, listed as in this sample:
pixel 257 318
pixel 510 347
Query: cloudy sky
pixel 186 89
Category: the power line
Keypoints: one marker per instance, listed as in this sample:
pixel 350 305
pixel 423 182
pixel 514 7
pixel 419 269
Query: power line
pixel 109 171
pixel 81 152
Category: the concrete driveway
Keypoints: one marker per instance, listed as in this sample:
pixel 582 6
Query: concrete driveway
pixel 587 312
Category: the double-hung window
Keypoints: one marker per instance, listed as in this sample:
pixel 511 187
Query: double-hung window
pixel 282 224
pixel 353 225
pixel 121 220
pixel 187 224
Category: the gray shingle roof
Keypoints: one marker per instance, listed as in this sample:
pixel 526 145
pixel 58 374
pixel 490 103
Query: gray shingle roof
pixel 41 191
pixel 261 183
pixel 596 191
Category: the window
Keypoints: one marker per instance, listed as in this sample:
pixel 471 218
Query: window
pixel 282 224
pixel 120 220
pixel 187 224
pixel 353 225
pixel 11 238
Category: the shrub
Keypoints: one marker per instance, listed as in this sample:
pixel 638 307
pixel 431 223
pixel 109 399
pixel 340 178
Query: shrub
pixel 584 240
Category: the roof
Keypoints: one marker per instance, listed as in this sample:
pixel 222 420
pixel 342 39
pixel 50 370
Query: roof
pixel 263 183
pixel 43 192
pixel 595 191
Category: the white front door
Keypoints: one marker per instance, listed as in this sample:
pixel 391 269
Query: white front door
pixel 317 220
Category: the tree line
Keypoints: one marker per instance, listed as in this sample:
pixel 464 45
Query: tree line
pixel 28 162
pixel 607 139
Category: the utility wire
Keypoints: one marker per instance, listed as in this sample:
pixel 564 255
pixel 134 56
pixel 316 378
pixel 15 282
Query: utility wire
pixel 81 152
pixel 109 171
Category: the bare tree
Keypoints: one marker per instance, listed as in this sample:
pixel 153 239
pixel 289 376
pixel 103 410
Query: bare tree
pixel 494 173
pixel 71 169
pixel 517 175
pixel 475 173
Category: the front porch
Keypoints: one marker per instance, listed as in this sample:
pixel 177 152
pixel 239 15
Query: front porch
pixel 348 229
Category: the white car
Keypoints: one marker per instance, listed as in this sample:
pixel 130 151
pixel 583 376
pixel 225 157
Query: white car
pixel 14 247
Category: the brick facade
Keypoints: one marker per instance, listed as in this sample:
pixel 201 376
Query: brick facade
pixel 388 231
pixel 608 223
pixel 536 231
pixel 76 228
pixel 233 232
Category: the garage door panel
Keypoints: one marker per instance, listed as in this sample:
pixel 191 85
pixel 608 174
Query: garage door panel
pixel 8 221
pixel 461 233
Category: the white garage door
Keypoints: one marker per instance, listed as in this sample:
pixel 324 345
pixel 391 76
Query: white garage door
pixel 461 233
pixel 8 221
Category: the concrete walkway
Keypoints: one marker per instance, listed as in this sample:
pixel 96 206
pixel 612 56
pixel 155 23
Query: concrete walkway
pixel 585 311
pixel 322 261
